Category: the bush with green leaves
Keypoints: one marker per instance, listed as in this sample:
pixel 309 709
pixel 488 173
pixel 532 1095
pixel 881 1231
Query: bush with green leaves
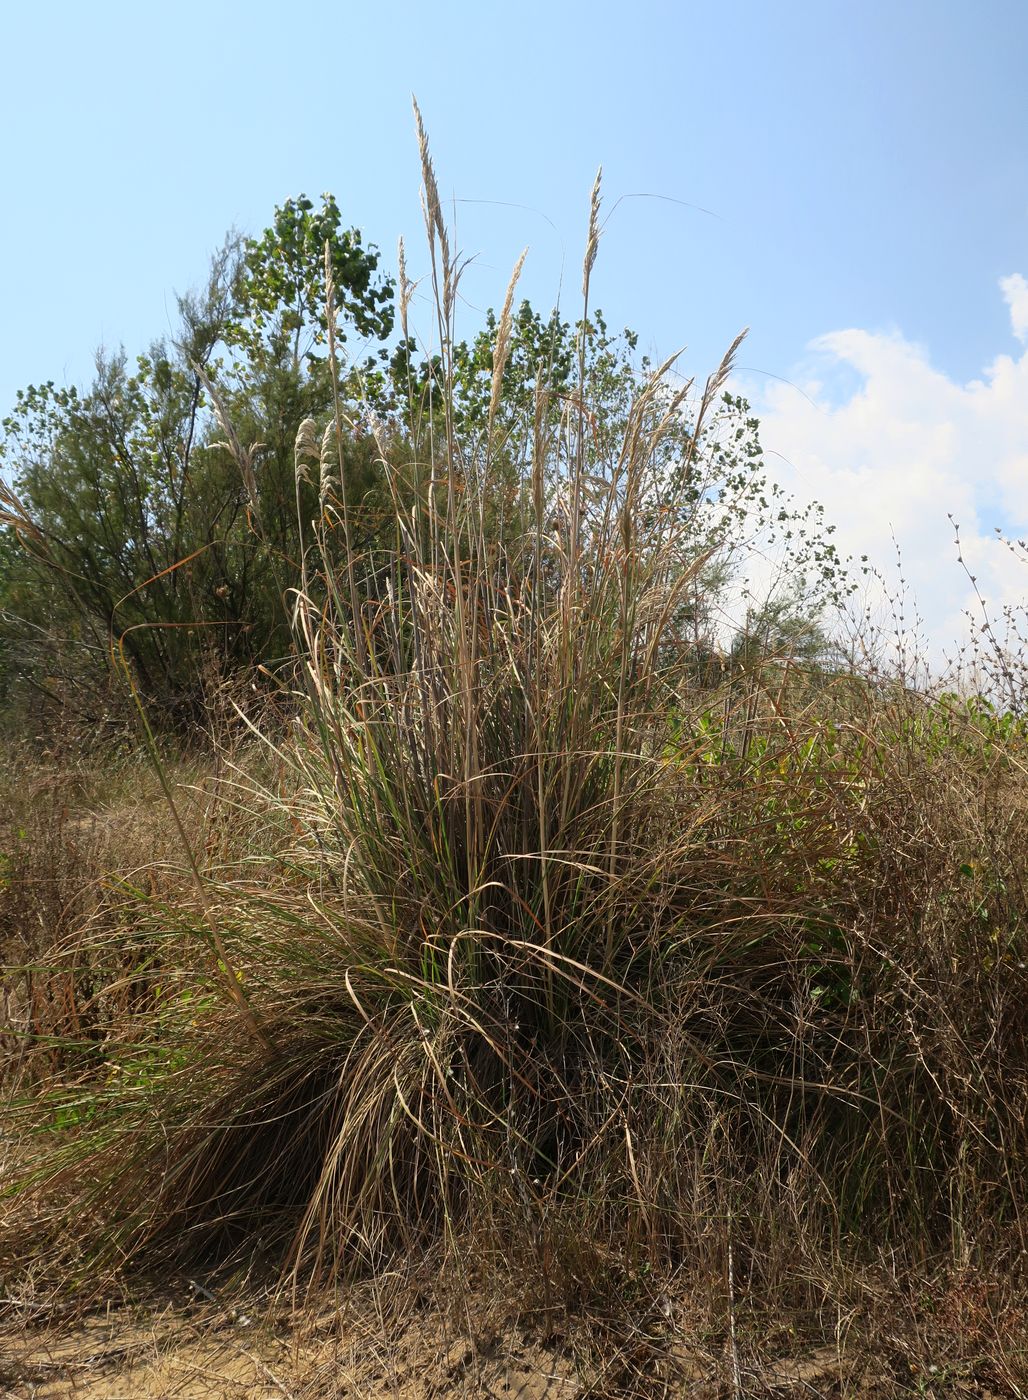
pixel 144 544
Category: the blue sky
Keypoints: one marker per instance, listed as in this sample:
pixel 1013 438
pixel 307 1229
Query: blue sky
pixel 866 169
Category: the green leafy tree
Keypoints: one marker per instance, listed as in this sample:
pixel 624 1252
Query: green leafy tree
pixel 277 375
pixel 780 629
pixel 138 530
pixel 281 296
pixel 129 528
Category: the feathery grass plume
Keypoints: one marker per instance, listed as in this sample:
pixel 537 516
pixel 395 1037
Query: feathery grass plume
pixel 329 480
pixel 305 449
pixel 337 428
pixel 433 210
pixel 15 516
pixel 714 385
pixel 244 457
pixel 501 349
pixel 592 241
pixel 405 293
pixel 404 288
pixel 578 473
pixel 724 369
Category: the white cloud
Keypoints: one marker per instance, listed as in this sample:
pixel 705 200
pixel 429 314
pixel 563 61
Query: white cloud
pixel 905 448
pixel 1015 290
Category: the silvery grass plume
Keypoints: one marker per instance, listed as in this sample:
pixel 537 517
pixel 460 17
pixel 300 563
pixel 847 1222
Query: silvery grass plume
pixel 434 222
pixel 592 242
pixel 405 288
pixel 501 349
pixel 305 449
pixel 244 457
pixel 329 477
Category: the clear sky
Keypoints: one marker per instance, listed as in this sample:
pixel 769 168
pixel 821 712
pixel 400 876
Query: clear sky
pixel 865 167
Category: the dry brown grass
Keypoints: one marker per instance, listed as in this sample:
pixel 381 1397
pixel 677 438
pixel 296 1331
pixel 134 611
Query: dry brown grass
pixel 685 1025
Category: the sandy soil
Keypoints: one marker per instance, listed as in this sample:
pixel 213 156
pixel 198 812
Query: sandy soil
pixel 175 1356
pixel 205 1352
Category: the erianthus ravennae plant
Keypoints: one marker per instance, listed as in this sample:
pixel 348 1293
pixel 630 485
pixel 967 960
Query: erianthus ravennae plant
pixel 542 939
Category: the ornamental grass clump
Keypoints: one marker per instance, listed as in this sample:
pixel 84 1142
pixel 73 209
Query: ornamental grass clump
pixel 544 946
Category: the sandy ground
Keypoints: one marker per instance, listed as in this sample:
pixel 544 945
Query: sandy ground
pixel 205 1352
pixel 173 1356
